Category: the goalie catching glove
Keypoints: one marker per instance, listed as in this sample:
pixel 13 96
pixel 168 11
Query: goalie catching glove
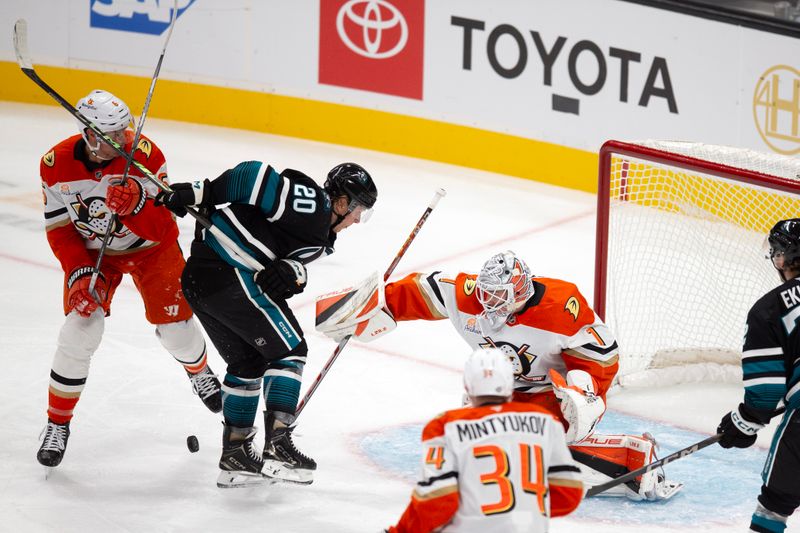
pixel 358 311
pixel 581 407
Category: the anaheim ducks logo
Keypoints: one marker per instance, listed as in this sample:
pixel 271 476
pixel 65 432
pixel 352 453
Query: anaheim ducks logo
pixel 49 158
pixel 145 147
pixel 93 218
pixel 573 307
pixel 520 358
pixel 469 286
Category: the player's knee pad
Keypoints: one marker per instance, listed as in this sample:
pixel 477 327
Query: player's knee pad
pixel 183 340
pixel 78 339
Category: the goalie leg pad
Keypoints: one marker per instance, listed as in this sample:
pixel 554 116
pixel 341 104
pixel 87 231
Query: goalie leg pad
pixel 604 457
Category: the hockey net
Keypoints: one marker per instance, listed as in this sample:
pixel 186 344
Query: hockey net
pixel 680 253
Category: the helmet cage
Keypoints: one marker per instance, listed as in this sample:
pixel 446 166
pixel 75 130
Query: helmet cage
pixel 504 285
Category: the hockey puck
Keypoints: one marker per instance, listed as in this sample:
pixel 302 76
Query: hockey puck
pixel 192 443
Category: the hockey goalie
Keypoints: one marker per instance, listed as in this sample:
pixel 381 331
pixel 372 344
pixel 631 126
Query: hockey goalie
pixel 564 357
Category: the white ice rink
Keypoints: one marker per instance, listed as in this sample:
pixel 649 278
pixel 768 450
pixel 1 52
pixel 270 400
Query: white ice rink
pixel 127 467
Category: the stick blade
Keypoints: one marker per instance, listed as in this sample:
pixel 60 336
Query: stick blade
pixel 21 44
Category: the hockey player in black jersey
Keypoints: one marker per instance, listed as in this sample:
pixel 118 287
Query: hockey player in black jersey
pixel 283 220
pixel 771 371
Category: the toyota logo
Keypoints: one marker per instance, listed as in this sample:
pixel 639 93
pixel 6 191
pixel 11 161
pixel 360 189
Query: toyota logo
pixel 376 18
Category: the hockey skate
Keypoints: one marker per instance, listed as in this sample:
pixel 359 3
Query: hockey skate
pixel 282 460
pixel 240 464
pixel 206 385
pixel 54 444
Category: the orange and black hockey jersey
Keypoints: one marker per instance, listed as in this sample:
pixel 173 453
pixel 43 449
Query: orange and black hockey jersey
pixel 556 329
pixel 493 468
pixel 75 211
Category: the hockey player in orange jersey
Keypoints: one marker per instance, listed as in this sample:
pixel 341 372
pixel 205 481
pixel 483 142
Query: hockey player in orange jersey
pixel 564 357
pixel 82 187
pixel 496 466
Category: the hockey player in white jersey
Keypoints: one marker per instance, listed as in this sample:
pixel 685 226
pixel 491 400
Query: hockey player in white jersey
pixel 495 466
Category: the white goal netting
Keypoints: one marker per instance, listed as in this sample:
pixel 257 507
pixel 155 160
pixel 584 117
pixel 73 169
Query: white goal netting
pixel 685 227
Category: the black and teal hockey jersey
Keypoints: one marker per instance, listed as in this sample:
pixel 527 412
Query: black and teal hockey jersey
pixel 771 351
pixel 269 215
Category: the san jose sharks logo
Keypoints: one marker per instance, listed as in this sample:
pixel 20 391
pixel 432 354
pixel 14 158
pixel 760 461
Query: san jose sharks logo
pixel 520 358
pixel 94 217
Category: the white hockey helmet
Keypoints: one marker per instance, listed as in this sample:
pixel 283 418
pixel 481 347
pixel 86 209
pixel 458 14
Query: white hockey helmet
pixel 504 285
pixel 105 110
pixel 488 372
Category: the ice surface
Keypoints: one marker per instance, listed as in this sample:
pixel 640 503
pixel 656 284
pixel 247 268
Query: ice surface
pixel 127 467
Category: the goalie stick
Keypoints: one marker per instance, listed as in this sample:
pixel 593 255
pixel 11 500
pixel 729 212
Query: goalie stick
pixel 633 474
pixel 440 193
pixel 25 63
pixel 107 236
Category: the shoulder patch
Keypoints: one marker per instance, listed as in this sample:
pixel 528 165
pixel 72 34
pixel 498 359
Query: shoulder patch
pixel 49 158
pixel 573 307
pixel 469 286
pixel 145 147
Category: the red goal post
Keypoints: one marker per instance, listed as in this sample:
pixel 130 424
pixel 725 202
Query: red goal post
pixel 679 254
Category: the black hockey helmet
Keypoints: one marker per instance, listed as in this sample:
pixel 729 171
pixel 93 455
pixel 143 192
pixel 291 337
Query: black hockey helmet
pixel 353 181
pixel 784 239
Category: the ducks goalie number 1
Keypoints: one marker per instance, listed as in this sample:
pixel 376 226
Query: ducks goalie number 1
pixel 358 311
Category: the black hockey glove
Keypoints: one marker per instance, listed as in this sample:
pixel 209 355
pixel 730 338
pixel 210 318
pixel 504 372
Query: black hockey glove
pixel 282 279
pixel 739 428
pixel 183 195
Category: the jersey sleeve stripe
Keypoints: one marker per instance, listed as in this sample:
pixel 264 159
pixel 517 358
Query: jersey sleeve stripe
pixel 564 482
pixel 432 480
pixel 762 352
pixel 433 494
pixel 563 468
pixel 246 236
pixel 436 311
pixel 593 357
pixel 258 185
pixel 280 207
pixel 55 213
pixel 435 288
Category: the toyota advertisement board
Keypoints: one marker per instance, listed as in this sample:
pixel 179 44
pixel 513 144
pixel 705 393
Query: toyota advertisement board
pixel 558 73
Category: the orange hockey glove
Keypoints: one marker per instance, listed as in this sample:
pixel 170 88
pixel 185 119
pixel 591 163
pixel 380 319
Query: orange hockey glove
pixel 79 298
pixel 125 198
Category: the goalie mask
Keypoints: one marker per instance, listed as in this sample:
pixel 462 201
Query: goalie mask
pixel 503 286
pixel 784 245
pixel 353 181
pixel 110 114
pixel 488 372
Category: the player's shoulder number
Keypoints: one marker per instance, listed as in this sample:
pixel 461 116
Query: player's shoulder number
pixel 304 198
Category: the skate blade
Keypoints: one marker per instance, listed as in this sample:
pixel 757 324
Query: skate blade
pixel 234 480
pixel 281 472
pixel 668 490
pixel 48 471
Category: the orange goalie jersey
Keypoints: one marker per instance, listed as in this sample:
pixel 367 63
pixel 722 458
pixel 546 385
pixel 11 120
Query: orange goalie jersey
pixel 555 329
pixel 494 468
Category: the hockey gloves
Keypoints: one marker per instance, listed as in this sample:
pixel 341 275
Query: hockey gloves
pixel 739 428
pixel 79 299
pixel 183 195
pixel 125 198
pixel 581 407
pixel 282 279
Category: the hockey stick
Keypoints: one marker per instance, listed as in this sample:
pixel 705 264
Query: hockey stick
pixel 25 63
pixel 440 193
pixel 680 454
pixel 107 236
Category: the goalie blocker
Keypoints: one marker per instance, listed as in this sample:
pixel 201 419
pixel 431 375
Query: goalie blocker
pixel 358 311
